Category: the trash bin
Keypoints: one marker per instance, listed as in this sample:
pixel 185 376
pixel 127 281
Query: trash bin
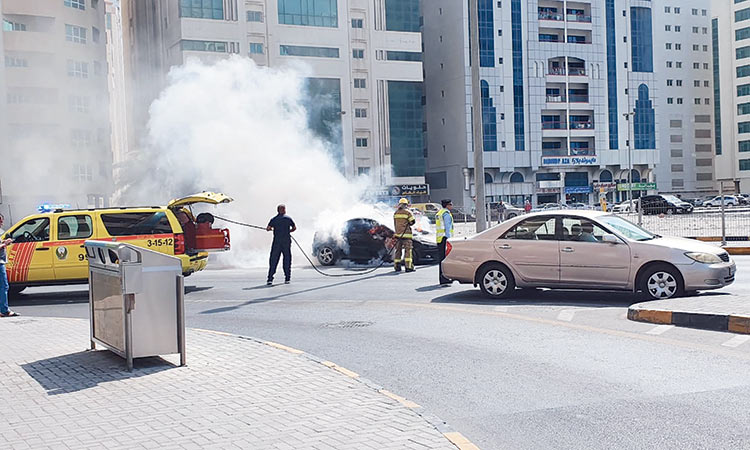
pixel 136 301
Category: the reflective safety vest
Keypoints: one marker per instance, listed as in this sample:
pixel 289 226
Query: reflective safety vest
pixel 440 226
pixel 403 219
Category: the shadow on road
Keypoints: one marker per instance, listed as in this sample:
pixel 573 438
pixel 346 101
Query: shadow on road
pixel 191 289
pixel 289 294
pixel 50 298
pixel 83 370
pixel 544 297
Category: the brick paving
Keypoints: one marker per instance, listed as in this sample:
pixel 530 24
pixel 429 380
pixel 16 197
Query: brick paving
pixel 234 393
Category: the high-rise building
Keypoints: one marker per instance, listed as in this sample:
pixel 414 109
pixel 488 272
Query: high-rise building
pixel 55 116
pixel 730 31
pixel 573 98
pixel 116 82
pixel 364 57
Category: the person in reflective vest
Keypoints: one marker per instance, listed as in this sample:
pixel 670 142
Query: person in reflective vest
pixel 403 219
pixel 444 229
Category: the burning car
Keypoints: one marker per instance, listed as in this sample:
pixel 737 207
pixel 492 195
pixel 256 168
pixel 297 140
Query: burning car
pixel 362 240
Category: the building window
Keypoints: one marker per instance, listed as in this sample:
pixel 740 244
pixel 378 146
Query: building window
pixel 14 61
pixel 677 29
pixel 315 13
pixel 78 69
pixel 669 64
pixel 359 23
pixel 363 171
pixel 406 116
pixel 360 112
pixel 95 35
pixel 742 52
pixel 641 41
pixel 644 120
pixel 322 102
pixel 78 104
pixel 315 52
pixel 254 16
pixel 486 33
pixel 82 173
pixel 667 9
pixel 77 4
pixel 358 53
pixel 361 142
pixel 667 27
pixel 204 46
pixel 670 100
pixel 743 127
pixel 404 15
pixel 256 48
pixel 677 10
pixel 743 71
pixel 518 63
pixel 75 34
pixel 743 146
pixel 668 46
pixel 360 83
pixel 202 9
pixel 489 119
pixel 696 47
pixel 669 82
pixel 403 56
pixel 678 46
pixel 741 34
pixel 516 177
pixel 80 138
pixel 745 164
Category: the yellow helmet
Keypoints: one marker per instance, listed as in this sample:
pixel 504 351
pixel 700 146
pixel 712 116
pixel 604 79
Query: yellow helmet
pixel 403 201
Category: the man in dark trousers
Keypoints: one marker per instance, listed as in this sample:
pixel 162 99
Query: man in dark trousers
pixel 283 226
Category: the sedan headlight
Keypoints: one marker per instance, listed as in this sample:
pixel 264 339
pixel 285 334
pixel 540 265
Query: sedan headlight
pixel 705 258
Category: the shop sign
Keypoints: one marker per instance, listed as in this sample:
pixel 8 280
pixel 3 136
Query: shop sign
pixel 607 186
pixel 550 184
pixel 570 161
pixel 577 189
pixel 637 187
pixel 548 190
pixel 398 190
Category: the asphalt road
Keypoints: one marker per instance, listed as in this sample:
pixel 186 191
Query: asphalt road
pixel 544 370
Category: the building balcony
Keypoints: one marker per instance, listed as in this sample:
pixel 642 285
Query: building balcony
pixel 554 125
pixel 577 72
pixel 581 125
pixel 551 16
pixel 578 18
pixel 556 99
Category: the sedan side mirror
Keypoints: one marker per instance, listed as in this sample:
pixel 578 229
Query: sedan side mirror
pixel 610 239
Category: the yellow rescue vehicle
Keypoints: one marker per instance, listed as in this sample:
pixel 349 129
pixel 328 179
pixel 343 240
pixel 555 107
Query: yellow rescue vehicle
pixel 48 247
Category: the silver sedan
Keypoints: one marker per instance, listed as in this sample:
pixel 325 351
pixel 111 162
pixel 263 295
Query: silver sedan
pixel 585 250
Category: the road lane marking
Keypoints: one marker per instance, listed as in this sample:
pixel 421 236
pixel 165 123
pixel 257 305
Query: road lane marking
pixel 566 315
pixel 736 341
pixel 659 329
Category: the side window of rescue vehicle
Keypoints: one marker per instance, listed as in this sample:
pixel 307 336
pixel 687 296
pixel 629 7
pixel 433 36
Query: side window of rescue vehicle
pixel 34 230
pixel 74 227
pixel 136 223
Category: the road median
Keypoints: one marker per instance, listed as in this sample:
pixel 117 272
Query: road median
pixel 711 312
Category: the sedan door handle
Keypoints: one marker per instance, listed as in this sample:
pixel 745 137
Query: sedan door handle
pixel 567 250
pixel 505 247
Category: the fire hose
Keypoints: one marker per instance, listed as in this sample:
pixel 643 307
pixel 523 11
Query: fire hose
pixel 304 253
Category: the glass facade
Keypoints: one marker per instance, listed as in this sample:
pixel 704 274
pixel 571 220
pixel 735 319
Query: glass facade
pixel 406 115
pixel 316 13
pixel 403 56
pixel 612 76
pixel 316 52
pixel 742 14
pixel 402 15
pixel 518 107
pixel 489 119
pixel 202 9
pixel 486 33
pixel 322 100
pixel 641 42
pixel 717 87
pixel 644 128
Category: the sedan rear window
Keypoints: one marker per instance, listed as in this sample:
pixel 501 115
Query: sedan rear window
pixel 136 223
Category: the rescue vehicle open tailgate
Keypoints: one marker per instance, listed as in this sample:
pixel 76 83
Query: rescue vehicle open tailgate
pixel 205 238
pixel 212 198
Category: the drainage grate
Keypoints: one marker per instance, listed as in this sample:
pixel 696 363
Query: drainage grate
pixel 348 324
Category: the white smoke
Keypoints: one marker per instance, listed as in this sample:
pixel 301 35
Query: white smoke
pixel 241 129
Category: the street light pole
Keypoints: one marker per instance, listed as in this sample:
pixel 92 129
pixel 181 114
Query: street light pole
pixel 477 133
pixel 628 116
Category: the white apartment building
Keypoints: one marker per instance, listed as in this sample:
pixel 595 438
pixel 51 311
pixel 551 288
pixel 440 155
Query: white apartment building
pixel 682 41
pixel 54 119
pixel 572 98
pixel 116 82
pixel 366 92
pixel 730 29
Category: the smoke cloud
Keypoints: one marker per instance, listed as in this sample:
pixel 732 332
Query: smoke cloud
pixel 240 129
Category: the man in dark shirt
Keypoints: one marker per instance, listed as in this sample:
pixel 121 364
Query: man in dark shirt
pixel 283 226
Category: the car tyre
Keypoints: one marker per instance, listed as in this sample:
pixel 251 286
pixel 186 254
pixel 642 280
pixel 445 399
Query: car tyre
pixel 327 255
pixel 496 281
pixel 661 282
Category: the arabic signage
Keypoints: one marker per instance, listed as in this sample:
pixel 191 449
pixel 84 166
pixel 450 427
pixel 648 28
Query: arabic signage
pixel 550 184
pixel 577 189
pixel 606 186
pixel 637 187
pixel 398 190
pixel 570 161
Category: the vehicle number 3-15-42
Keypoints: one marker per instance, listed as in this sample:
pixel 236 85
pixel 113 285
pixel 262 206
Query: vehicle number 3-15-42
pixel 160 242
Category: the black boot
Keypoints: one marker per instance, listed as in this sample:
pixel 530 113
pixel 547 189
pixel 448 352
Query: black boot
pixel 397 267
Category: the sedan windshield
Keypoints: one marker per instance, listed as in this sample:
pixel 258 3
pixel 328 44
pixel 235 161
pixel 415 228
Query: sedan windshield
pixel 672 199
pixel 627 229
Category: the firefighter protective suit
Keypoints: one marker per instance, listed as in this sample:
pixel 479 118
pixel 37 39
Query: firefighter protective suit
pixel 403 220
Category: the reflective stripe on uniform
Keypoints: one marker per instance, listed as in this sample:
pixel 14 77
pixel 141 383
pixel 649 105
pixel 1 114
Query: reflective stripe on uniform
pixel 401 216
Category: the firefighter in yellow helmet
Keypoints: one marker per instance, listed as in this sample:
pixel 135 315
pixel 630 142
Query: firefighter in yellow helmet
pixel 403 219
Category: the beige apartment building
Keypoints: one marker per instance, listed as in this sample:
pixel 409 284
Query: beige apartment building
pixel 55 119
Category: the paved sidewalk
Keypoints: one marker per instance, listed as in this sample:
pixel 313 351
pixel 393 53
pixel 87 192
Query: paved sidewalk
pixel 235 393
pixel 710 312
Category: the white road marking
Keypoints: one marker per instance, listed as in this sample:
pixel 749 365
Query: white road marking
pixel 660 329
pixel 736 341
pixel 566 315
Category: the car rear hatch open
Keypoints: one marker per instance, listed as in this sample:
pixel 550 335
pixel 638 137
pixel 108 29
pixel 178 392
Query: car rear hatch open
pixel 200 235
